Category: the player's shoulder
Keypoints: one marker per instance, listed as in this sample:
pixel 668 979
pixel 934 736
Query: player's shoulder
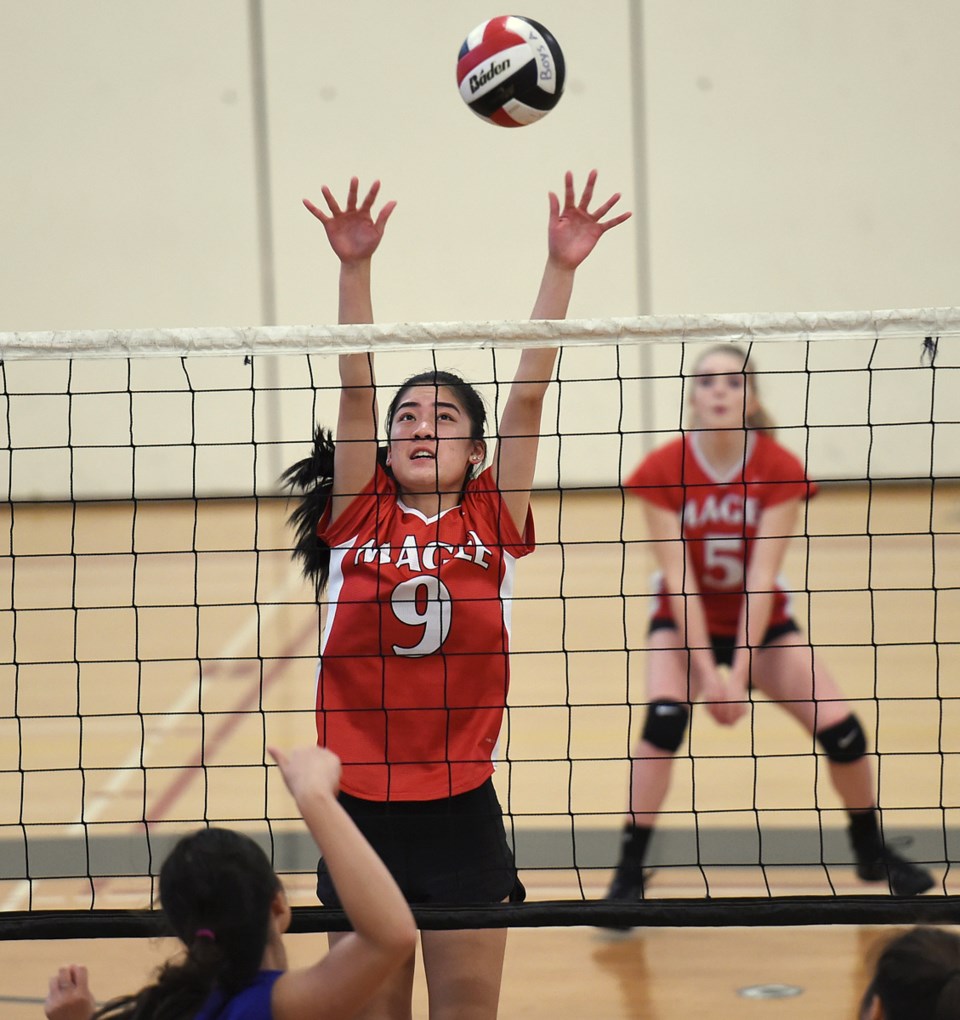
pixel 672 449
pixel 666 455
pixel 481 498
pixel 371 508
pixel 773 453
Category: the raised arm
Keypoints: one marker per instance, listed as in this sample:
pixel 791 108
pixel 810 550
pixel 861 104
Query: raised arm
pixel 384 933
pixel 354 236
pixel 573 232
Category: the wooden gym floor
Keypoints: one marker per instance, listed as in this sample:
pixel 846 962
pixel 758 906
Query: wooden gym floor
pixel 884 610
pixel 555 974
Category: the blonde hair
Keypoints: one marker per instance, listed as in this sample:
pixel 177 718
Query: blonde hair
pixel 759 419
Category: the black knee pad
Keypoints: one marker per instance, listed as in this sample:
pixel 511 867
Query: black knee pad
pixel 845 742
pixel 666 724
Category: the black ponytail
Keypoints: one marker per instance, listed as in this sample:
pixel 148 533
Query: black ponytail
pixel 216 888
pixel 312 479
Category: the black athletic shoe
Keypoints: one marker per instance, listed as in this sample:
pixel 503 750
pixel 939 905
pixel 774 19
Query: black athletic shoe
pixel 905 877
pixel 627 886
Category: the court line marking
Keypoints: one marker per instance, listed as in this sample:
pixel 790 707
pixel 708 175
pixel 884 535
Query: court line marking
pixel 231 650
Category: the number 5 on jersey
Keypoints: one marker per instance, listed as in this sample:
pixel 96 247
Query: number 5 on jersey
pixel 723 559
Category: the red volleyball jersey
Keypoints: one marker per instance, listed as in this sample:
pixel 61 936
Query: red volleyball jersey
pixel 414 657
pixel 720 517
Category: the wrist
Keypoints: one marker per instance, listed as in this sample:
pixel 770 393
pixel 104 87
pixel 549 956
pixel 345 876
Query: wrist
pixel 316 797
pixel 356 267
pixel 557 264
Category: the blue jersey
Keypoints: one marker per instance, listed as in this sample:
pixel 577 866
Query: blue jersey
pixel 253 1003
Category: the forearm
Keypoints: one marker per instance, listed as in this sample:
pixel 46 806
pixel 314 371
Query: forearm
pixel 692 631
pixel 370 897
pixel 535 369
pixel 356 373
pixel 356 303
pixel 760 583
pixel 556 288
pixel 776 526
pixel 357 380
pixel 531 382
pixel 679 583
pixel 754 620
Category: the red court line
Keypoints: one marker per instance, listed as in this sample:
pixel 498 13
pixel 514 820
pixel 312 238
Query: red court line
pixel 191 771
pixel 177 788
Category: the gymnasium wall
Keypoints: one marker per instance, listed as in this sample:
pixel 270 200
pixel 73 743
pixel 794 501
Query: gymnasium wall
pixel 778 156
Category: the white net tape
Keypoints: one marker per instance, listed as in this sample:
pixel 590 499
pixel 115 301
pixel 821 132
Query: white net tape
pixel 817 326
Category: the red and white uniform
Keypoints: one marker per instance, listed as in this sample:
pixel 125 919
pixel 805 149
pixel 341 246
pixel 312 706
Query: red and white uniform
pixel 414 658
pixel 719 517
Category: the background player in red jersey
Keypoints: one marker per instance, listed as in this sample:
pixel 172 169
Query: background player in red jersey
pixel 417 546
pixel 720 505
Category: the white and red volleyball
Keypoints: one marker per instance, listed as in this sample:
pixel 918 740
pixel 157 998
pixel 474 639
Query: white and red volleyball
pixel 510 71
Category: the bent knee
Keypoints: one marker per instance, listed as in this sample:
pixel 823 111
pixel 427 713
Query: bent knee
pixel 845 742
pixel 666 724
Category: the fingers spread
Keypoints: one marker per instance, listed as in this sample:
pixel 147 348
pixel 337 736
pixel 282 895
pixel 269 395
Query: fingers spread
pixel 615 221
pixel 385 215
pixel 587 195
pixel 330 200
pixel 319 213
pixel 371 195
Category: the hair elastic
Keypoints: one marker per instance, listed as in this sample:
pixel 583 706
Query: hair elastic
pixel 204 933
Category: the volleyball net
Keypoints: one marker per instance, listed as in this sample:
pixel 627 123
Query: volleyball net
pixel 156 637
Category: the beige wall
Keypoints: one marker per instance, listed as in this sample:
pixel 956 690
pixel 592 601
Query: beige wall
pixel 785 155
pixel 803 153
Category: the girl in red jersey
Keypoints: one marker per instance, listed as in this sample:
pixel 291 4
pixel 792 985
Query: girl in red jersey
pixel 720 505
pixel 417 546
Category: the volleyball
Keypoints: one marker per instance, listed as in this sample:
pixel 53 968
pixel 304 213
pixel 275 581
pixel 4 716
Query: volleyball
pixel 510 71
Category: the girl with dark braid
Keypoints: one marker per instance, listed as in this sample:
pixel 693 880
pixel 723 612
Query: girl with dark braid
pixel 227 906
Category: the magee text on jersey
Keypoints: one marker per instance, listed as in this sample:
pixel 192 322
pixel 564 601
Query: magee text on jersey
pixel 429 556
pixel 701 510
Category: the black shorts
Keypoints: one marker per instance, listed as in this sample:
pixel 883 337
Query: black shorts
pixel 450 852
pixel 724 647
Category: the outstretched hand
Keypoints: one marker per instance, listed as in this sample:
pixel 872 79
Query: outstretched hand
pixel 353 233
pixel 308 770
pixel 574 230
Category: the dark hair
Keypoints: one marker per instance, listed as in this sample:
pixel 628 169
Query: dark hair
pixel 312 477
pixel 917 976
pixel 216 888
